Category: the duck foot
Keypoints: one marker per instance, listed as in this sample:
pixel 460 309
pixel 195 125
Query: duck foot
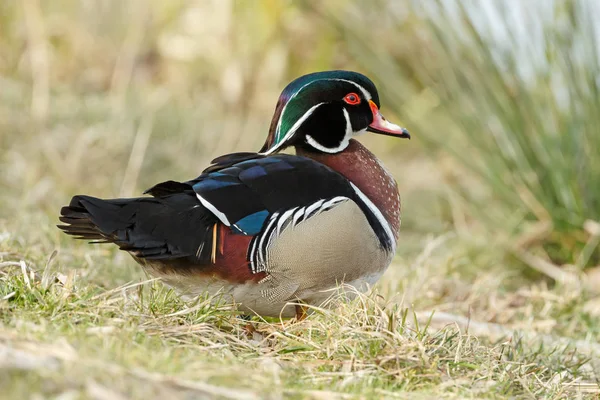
pixel 249 328
pixel 301 312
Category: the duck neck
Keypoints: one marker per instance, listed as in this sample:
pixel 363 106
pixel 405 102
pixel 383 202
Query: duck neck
pixel 364 170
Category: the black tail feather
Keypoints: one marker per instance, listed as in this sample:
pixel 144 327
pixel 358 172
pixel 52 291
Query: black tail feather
pixel 166 228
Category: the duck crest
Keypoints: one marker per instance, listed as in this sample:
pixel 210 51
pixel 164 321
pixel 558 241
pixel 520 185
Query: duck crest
pixel 363 169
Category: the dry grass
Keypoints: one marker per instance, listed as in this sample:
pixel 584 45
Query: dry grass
pixel 107 99
pixel 425 331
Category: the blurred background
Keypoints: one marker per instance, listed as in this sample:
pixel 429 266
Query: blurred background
pixel 109 97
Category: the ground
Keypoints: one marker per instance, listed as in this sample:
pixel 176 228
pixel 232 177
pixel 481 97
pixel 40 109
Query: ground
pixel 424 332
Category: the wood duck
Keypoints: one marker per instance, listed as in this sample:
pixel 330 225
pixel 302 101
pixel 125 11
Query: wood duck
pixel 269 229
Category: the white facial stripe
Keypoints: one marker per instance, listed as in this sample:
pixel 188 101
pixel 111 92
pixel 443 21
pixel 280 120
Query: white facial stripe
pixel 349 130
pixel 283 111
pixel 293 129
pixel 222 217
pixel 384 223
pixel 362 89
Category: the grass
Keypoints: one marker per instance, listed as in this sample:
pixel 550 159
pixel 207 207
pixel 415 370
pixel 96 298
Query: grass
pixel 515 110
pixel 106 99
pixel 88 333
pixel 63 334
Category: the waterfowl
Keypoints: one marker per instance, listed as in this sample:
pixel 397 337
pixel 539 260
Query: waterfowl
pixel 265 228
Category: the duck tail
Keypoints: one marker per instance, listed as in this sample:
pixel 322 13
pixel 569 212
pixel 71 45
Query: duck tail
pixel 174 226
pixel 94 219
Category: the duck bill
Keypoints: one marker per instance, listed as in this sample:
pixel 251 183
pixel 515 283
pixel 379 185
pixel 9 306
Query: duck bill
pixel 383 127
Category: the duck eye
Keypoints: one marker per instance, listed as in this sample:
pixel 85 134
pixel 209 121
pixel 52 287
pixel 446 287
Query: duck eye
pixel 352 99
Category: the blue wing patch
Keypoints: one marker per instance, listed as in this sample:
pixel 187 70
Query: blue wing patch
pixel 253 172
pixel 279 165
pixel 244 194
pixel 251 224
pixel 212 184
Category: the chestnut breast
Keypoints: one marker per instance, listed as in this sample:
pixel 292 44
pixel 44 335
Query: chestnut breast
pixel 362 168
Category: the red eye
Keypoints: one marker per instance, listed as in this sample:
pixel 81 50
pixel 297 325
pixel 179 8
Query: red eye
pixel 352 99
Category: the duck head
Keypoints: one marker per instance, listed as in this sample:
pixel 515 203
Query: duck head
pixel 324 110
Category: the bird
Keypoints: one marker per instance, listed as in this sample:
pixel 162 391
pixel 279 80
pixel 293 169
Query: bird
pixel 275 232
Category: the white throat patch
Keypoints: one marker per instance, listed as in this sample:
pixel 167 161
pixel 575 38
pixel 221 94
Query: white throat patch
pixel 349 134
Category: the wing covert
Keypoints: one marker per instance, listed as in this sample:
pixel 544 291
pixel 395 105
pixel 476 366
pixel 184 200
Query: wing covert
pixel 244 194
pixel 243 191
